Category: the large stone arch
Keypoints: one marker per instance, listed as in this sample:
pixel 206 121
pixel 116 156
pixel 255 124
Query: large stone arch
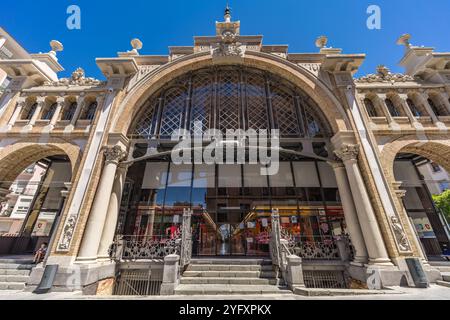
pixel 435 148
pixel 16 157
pixel 303 79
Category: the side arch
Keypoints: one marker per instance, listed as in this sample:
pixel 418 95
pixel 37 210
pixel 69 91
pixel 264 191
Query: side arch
pixel 16 157
pixel 436 148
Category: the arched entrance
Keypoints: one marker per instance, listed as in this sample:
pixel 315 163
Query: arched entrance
pixel 32 180
pixel 422 180
pixel 231 202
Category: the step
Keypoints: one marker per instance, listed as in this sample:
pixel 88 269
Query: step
pixel 220 267
pixel 12 285
pixel 232 261
pixel 15 272
pixel 443 269
pixel 16 266
pixel 443 283
pixel 225 289
pixel 446 276
pixel 13 278
pixel 230 274
pixel 15 261
pixel 234 281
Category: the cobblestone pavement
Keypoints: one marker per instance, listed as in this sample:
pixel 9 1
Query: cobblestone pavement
pixel 433 293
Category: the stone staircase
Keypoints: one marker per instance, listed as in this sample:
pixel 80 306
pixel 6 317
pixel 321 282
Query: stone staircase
pixel 444 268
pixel 14 273
pixel 230 277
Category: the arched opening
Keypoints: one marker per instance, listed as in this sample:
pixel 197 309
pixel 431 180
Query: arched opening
pixel 424 182
pixel 232 202
pixel 31 200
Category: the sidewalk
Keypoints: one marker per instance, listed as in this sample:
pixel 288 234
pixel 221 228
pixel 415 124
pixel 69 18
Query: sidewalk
pixel 435 292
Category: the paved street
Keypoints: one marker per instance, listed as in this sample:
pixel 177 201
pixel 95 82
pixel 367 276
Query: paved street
pixel 433 293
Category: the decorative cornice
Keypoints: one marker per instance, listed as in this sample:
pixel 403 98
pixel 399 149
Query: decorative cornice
pixel 384 75
pixel 77 79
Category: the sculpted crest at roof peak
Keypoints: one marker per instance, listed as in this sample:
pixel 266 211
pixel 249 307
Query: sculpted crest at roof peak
pixel 385 75
pixel 77 79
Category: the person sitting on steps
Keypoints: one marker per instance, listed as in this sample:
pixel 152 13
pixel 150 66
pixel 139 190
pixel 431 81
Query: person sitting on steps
pixel 40 253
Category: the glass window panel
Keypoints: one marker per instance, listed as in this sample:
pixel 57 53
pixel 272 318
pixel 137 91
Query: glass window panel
pixel 204 176
pixel 306 174
pixel 405 172
pixel 284 176
pixel 253 176
pixel 327 175
pixel 155 175
pixel 230 176
pixel 180 175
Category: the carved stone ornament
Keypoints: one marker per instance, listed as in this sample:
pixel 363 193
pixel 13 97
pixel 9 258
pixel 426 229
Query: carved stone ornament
pixel 114 154
pixel 67 235
pixel 77 79
pixel 348 152
pixel 400 234
pixel 229 45
pixel 384 75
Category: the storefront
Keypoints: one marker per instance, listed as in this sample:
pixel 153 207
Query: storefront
pixel 231 204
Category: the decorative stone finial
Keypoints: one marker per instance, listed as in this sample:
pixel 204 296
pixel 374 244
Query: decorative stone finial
pixel 404 40
pixel 227 15
pixel 321 42
pixel 56 47
pixel 136 44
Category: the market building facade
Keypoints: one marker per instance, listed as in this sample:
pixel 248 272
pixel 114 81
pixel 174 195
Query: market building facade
pixel 347 199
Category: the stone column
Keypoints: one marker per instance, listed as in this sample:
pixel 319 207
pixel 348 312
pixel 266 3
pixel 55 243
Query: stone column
pixel 423 98
pixel 351 217
pixel 444 97
pixel 403 101
pixel 76 115
pixel 60 104
pixel 20 105
pixel 112 214
pixel 96 221
pixel 40 104
pixel 382 102
pixel 376 248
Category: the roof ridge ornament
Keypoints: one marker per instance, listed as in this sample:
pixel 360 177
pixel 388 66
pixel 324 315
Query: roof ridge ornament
pixel 385 75
pixel 77 79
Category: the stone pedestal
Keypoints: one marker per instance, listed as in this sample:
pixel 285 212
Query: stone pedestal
pixel 294 272
pixel 170 275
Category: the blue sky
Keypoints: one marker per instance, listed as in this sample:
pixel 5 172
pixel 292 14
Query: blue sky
pixel 108 26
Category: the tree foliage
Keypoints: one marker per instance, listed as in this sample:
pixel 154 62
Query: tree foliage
pixel 442 201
